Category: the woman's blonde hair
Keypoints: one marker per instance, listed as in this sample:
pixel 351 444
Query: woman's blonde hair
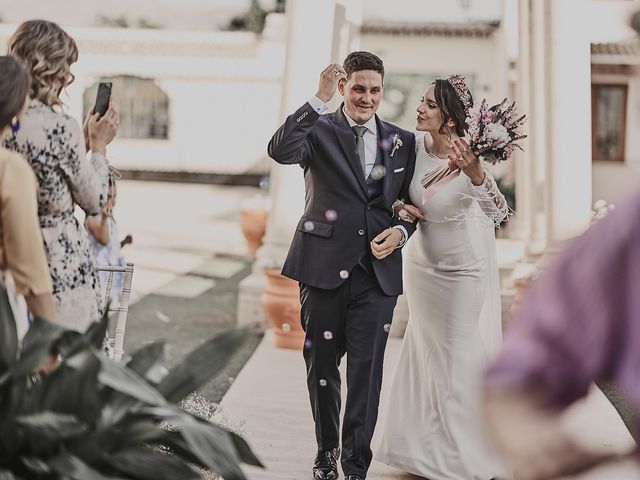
pixel 48 53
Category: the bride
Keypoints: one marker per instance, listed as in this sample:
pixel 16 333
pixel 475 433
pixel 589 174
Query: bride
pixel 452 288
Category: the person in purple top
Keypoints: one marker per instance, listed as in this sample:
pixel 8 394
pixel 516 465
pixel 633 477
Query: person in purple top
pixel 578 324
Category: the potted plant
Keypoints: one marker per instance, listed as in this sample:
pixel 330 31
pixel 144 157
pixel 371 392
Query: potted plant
pixel 92 418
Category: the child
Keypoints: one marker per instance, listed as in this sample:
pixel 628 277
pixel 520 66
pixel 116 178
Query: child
pixel 103 233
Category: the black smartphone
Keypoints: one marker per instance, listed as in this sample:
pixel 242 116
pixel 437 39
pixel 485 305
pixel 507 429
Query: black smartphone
pixel 103 97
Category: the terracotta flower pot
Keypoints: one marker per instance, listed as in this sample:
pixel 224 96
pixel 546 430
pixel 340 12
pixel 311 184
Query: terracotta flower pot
pixel 253 224
pixel 281 303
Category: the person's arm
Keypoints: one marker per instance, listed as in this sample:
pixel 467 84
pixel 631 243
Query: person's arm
pixel 22 238
pixel 532 438
pixel 482 185
pixel 98 227
pixel 88 180
pixel 293 142
pixel 574 327
pixel 41 305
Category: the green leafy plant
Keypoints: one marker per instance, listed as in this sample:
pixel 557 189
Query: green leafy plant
pixel 94 419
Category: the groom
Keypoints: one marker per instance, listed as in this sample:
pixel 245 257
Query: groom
pixel 355 166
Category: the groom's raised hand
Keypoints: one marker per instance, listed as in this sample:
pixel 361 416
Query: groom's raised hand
pixel 329 79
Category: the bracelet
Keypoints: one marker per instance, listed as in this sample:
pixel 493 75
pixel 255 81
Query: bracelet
pixel 403 238
pixel 395 204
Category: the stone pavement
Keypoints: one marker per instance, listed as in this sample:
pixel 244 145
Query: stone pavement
pixel 189 254
pixel 268 405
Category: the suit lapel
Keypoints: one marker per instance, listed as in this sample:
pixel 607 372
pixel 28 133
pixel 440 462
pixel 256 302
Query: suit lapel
pixel 347 141
pixel 385 136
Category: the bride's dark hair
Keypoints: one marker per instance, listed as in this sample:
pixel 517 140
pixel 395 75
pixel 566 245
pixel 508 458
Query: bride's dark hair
pixel 451 107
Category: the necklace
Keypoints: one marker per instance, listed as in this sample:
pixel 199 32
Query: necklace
pixel 433 155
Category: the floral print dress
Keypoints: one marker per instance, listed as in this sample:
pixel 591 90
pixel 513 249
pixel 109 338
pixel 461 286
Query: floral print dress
pixel 53 143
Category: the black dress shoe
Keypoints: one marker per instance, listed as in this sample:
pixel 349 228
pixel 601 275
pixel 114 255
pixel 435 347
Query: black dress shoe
pixel 353 477
pixel 325 466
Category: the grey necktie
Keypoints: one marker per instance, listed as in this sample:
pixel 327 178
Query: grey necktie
pixel 360 131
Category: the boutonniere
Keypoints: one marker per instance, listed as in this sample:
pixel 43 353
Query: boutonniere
pixel 396 144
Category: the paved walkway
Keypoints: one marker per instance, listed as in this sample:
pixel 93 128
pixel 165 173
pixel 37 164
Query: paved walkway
pixel 188 246
pixel 268 405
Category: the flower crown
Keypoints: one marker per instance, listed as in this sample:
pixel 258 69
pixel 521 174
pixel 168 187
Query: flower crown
pixel 459 85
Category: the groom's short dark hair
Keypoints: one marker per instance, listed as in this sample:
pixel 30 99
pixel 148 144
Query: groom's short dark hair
pixel 357 61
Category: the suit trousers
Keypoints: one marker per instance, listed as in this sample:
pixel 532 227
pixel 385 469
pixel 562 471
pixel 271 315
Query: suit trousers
pixel 353 319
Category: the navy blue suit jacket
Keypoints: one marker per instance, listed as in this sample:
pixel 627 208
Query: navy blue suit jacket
pixel 324 247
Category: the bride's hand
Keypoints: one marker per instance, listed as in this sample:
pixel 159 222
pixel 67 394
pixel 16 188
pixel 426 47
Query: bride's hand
pixel 409 213
pixel 464 159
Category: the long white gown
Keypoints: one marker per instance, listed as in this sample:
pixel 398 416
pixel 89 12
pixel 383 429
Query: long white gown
pixel 431 424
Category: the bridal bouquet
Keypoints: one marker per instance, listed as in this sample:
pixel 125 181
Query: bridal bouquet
pixel 494 131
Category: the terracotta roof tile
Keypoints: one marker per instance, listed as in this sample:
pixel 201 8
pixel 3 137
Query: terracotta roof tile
pixel 625 48
pixel 467 29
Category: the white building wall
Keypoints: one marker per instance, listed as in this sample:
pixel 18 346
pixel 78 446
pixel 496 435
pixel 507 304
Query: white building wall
pixel 224 91
pixel 484 58
pixel 612 181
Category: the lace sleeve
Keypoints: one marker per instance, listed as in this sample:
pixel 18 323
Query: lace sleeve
pixel 490 199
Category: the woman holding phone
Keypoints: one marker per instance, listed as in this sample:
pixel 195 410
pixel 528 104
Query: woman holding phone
pixel 54 144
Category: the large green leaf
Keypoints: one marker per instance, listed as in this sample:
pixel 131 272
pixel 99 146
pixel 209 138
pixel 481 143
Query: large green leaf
pixel 36 346
pixel 148 360
pixel 133 431
pixel 8 333
pixel 201 365
pixel 97 331
pixel 73 342
pixel 73 388
pixel 7 475
pixel 70 466
pixel 244 451
pixel 12 399
pixel 213 445
pixel 146 465
pixel 49 426
pixel 36 465
pixel 124 380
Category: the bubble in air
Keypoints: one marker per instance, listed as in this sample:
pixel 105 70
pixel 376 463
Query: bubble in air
pixel 323 382
pixel 331 215
pixel 344 274
pixel 386 143
pixel 378 172
pixel 328 335
pixel 387 327
pixel 286 327
pixel 308 343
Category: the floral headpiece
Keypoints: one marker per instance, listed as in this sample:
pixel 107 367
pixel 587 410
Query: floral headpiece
pixel 459 85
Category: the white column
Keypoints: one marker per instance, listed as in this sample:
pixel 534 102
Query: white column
pixel 553 181
pixel 317 32
pixel 569 105
pixel 554 90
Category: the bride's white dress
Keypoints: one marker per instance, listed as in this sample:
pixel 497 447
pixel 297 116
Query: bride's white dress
pixel 432 426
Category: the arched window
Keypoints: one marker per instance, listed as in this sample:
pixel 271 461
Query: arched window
pixel 143 106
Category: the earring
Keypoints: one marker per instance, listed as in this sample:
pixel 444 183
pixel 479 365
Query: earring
pixel 15 124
